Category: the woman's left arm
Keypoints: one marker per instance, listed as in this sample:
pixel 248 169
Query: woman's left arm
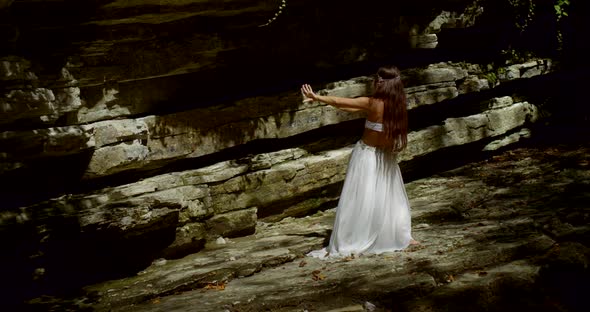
pixel 346 104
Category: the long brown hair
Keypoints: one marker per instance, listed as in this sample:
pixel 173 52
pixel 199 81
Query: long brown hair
pixel 389 88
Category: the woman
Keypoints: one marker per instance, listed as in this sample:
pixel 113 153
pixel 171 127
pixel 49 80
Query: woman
pixel 373 214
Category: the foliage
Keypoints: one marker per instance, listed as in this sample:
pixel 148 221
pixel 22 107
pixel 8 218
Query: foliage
pixel 491 77
pixel 534 28
pixel 272 19
pixel 524 11
pixel 514 56
pixel 561 8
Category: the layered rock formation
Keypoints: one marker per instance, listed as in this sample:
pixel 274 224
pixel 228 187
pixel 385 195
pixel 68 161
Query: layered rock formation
pixel 503 233
pixel 127 138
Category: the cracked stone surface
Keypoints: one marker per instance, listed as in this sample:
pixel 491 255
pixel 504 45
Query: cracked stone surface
pixel 486 229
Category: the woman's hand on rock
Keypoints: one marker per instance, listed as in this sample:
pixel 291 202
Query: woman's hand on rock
pixel 308 94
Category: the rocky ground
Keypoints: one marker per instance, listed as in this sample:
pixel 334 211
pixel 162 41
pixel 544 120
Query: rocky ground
pixel 507 233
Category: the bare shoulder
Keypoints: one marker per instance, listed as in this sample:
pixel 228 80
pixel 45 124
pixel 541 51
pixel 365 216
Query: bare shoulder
pixel 376 105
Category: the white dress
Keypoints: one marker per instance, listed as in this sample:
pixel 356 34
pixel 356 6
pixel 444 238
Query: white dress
pixel 373 213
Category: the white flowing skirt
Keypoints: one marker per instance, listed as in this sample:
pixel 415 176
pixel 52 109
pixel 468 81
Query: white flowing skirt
pixel 373 213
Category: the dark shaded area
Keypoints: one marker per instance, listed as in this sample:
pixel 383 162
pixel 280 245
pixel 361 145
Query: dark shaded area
pixel 42 179
pixel 71 257
pixel 336 41
pixel 45 30
pixel 327 195
pixel 564 277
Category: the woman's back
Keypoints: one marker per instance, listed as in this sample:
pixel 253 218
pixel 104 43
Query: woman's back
pixel 373 134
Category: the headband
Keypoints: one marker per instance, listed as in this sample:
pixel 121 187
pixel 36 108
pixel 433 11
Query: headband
pixel 379 78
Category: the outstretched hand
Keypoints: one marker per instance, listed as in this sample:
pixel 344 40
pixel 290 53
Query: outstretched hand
pixel 308 94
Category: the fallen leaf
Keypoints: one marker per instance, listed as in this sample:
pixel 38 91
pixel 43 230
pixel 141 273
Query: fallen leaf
pixel 215 286
pixel 156 301
pixel 317 275
pixel 320 277
pixel 348 258
pixel 450 278
pixel 302 263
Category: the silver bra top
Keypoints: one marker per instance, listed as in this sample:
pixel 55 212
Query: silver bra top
pixel 375 126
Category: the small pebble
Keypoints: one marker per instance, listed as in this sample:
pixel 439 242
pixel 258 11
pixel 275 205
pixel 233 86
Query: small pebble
pixel 369 306
pixel 159 262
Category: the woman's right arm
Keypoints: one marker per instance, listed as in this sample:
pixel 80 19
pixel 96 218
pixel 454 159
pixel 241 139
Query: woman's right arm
pixel 350 110
pixel 346 104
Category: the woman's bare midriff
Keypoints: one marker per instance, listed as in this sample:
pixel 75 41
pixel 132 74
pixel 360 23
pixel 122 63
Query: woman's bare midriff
pixel 374 138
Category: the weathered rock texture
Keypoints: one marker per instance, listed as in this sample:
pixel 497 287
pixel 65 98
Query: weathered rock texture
pixel 492 237
pixel 135 130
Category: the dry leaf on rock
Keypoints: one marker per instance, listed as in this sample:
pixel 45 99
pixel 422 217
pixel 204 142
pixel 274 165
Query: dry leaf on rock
pixel 215 286
pixel 317 275
pixel 450 278
pixel 351 257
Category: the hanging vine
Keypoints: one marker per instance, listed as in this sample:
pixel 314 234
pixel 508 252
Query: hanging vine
pixel 527 12
pixel 279 12
pixel 524 12
pixel 560 7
